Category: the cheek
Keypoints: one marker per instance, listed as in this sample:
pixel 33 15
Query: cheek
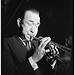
pixel 36 30
pixel 25 29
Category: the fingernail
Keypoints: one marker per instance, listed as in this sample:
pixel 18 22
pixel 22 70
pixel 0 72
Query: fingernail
pixel 47 51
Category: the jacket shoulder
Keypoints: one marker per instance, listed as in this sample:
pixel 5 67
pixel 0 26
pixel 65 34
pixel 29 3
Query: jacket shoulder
pixel 9 38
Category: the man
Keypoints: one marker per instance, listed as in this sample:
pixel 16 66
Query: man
pixel 20 56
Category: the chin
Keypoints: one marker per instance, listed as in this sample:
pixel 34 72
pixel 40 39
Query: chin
pixel 28 39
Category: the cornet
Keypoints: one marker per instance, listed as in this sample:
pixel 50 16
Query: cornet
pixel 61 47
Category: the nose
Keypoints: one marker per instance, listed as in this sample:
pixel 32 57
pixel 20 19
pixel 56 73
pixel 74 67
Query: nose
pixel 32 29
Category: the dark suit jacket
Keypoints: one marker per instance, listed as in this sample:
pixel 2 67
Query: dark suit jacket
pixel 15 59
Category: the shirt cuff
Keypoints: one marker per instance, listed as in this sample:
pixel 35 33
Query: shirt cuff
pixel 33 64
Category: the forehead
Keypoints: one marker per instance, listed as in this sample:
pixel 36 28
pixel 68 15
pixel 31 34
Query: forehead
pixel 31 16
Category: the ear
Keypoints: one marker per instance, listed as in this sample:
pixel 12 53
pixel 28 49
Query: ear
pixel 18 22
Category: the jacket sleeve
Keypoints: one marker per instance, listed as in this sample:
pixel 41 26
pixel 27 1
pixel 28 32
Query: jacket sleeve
pixel 10 68
pixel 26 68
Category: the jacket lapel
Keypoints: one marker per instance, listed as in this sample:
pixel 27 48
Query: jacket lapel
pixel 19 48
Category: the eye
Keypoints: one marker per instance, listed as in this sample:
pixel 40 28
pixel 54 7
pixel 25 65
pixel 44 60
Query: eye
pixel 29 23
pixel 38 24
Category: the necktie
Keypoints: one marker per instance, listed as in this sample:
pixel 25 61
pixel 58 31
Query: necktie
pixel 28 45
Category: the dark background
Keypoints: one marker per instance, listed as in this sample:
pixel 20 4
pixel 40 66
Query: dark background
pixel 56 17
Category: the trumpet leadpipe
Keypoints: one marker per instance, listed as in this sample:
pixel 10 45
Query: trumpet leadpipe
pixel 61 47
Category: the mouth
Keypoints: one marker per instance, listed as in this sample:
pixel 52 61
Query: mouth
pixel 30 36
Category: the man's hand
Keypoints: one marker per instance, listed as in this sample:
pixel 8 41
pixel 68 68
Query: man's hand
pixel 54 50
pixel 40 50
pixel 50 58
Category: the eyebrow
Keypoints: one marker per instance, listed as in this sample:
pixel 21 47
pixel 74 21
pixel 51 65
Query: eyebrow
pixel 33 21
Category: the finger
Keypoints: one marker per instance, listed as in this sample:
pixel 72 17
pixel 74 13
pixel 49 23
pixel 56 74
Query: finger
pixel 42 53
pixel 46 42
pixel 42 41
pixel 54 51
pixel 52 46
pixel 53 65
pixel 47 50
pixel 57 50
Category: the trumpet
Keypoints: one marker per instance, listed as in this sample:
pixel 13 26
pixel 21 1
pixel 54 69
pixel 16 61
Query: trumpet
pixel 61 47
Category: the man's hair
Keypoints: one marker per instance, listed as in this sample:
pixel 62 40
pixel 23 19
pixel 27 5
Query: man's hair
pixel 32 10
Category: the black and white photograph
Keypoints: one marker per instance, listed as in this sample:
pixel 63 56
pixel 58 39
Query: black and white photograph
pixel 37 37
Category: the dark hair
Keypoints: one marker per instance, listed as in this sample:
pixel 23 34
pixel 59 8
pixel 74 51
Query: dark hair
pixel 23 13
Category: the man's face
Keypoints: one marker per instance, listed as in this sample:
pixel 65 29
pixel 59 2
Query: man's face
pixel 30 25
